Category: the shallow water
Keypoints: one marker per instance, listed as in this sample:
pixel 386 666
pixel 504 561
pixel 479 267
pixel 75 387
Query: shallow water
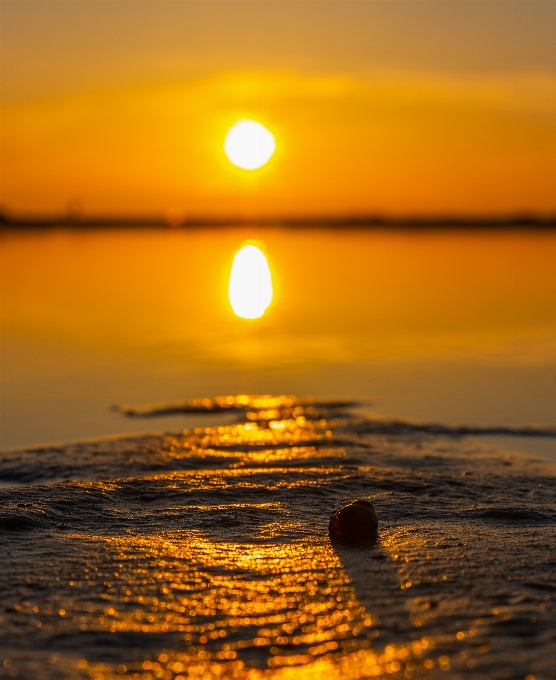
pixel 204 554
pixel 450 326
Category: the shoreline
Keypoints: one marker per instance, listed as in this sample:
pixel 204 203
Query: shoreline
pixel 159 556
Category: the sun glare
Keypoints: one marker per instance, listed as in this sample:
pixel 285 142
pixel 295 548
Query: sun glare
pixel 249 145
pixel 250 288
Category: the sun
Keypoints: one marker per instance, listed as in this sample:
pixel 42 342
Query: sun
pixel 249 145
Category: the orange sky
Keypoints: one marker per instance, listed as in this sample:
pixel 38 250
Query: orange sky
pixel 122 107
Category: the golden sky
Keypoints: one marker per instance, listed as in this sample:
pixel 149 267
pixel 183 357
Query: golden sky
pixel 116 106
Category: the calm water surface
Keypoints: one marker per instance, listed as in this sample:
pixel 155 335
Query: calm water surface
pixel 458 327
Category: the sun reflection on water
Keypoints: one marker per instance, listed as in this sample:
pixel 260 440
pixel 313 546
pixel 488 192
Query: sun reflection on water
pixel 291 606
pixel 263 608
pixel 250 288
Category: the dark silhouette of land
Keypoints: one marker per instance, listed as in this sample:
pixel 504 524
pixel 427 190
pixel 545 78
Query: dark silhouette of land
pixel 519 221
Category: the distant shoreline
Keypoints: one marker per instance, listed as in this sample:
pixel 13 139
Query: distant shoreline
pixel 356 221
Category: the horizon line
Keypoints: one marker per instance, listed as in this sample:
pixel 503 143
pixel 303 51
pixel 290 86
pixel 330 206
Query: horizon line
pixel 161 220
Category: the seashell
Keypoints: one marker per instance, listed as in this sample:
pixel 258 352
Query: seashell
pixel 354 524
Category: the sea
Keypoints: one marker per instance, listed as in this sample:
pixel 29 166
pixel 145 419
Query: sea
pixel 447 325
pixel 169 470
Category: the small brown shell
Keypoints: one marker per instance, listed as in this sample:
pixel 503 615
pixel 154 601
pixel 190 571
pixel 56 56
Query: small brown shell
pixel 354 524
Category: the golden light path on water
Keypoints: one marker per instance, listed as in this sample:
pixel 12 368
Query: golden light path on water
pixel 250 287
pixel 289 596
pixel 291 602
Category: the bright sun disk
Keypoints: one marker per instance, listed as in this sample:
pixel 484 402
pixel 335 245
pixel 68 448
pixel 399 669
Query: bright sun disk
pixel 249 145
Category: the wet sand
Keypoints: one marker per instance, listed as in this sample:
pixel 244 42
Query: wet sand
pixel 204 554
